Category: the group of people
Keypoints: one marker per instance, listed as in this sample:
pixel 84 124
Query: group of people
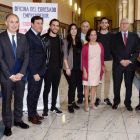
pixel 84 57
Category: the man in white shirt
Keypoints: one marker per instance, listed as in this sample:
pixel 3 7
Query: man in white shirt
pixel 125 50
pixel 14 57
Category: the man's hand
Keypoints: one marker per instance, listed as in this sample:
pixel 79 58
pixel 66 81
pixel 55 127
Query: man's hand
pixel 18 76
pixel 37 77
pixel 14 79
pixel 127 62
pixel 123 63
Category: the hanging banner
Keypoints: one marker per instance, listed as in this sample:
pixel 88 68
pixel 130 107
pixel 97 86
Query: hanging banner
pixel 25 11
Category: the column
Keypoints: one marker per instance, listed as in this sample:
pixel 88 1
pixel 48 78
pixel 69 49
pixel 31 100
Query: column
pixel 120 15
pixel 124 9
pixel 131 14
pixel 137 17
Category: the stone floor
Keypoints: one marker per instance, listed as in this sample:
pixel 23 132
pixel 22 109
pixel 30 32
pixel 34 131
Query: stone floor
pixel 101 124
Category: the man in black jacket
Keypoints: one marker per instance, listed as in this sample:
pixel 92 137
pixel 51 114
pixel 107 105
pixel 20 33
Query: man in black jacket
pixel 13 50
pixel 54 57
pixel 125 49
pixel 37 68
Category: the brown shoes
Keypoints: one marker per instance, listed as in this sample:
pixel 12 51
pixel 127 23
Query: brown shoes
pixel 39 117
pixel 34 120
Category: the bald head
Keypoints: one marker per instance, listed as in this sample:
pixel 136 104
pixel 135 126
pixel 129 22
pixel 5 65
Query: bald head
pixel 12 23
pixel 11 15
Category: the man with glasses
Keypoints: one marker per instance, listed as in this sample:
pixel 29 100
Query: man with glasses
pixel 125 49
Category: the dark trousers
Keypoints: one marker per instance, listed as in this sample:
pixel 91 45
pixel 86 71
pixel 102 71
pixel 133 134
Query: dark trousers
pixel 52 77
pixel 34 88
pixel 117 80
pixel 7 90
pixel 73 81
pixel 80 89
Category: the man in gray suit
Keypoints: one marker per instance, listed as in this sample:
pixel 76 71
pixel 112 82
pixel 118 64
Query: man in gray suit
pixel 14 57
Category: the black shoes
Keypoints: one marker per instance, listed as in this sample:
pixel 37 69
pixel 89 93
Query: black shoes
pixel 115 106
pixel 137 107
pixel 75 106
pixel 97 102
pixel 56 110
pixel 79 101
pixel 7 131
pixel 129 107
pixel 21 125
pixel 107 102
pixel 45 115
pixel 70 109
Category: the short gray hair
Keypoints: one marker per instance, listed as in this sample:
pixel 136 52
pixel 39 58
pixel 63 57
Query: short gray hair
pixel 125 19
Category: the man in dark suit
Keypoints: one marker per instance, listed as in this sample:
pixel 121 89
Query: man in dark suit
pixel 13 46
pixel 125 49
pixel 37 68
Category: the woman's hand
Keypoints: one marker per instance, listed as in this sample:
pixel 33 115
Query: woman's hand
pixel 85 73
pixel 68 72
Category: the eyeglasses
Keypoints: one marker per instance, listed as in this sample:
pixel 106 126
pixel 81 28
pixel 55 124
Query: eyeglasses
pixel 124 23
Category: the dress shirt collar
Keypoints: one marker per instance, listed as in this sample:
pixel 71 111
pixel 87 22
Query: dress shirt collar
pixel 10 35
pixel 124 33
pixel 83 36
pixel 34 31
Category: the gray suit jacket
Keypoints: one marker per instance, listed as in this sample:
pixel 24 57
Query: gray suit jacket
pixel 7 57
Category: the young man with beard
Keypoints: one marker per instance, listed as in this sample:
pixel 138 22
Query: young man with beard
pixel 54 60
pixel 104 37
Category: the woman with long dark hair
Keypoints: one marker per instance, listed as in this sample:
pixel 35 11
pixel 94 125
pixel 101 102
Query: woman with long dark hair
pixel 72 63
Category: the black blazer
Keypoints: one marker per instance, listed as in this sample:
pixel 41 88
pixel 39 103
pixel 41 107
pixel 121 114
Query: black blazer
pixel 7 57
pixel 37 63
pixel 129 52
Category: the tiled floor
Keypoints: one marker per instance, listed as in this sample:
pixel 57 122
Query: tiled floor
pixel 101 124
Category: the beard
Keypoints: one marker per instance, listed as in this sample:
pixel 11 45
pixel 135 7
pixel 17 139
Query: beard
pixel 106 28
pixel 53 31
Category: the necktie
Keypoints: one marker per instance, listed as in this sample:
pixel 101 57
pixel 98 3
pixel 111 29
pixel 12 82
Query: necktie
pixel 85 40
pixel 125 39
pixel 38 35
pixel 14 46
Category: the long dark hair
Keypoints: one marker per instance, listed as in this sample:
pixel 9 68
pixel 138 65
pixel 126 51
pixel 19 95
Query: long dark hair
pixel 77 38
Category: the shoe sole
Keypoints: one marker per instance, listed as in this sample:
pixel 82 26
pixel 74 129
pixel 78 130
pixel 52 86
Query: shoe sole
pixel 76 108
pixel 53 112
pixel 45 117
pixel 21 127
pixel 35 123
pixel 71 112
pixel 107 104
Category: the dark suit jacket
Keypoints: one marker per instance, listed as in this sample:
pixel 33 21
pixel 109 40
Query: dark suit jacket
pixel 129 52
pixel 7 57
pixel 37 63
